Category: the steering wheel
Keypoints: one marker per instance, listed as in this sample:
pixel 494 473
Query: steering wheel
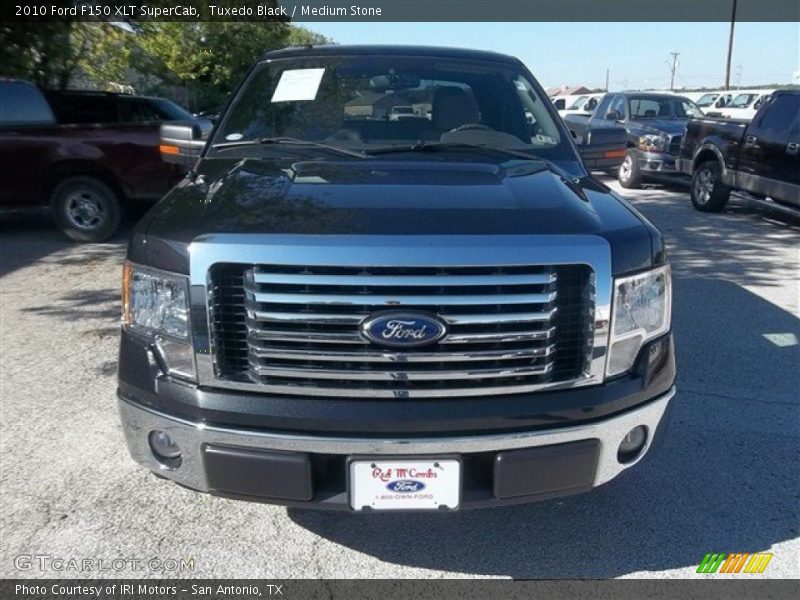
pixel 471 127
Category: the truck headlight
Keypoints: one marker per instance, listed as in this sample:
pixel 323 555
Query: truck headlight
pixel 653 143
pixel 156 304
pixel 642 310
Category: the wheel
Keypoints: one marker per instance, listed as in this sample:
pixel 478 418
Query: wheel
pixel 708 193
pixel 86 209
pixel 630 176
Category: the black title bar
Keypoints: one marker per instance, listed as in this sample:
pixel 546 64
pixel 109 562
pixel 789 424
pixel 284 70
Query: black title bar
pixel 399 10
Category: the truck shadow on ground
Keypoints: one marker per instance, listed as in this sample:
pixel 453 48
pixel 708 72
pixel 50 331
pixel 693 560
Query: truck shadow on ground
pixel 30 237
pixel 725 479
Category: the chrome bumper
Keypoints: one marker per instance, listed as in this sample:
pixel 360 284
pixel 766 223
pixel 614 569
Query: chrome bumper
pixel 658 162
pixel 138 422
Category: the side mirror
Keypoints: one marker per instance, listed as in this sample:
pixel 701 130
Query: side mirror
pixel 613 115
pixel 182 142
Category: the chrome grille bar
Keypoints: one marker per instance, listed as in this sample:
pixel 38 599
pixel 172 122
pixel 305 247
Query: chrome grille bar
pixel 316 318
pixel 399 375
pixel 402 280
pixel 399 299
pixel 404 357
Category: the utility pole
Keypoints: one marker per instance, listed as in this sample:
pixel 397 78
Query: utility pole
pixel 606 79
pixel 730 48
pixel 673 67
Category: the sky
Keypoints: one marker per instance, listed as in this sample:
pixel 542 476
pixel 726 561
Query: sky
pixel 636 54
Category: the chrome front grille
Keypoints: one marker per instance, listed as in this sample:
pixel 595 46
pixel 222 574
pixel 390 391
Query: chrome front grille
pixel 296 329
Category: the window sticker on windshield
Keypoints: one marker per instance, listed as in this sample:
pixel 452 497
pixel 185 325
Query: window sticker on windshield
pixel 298 84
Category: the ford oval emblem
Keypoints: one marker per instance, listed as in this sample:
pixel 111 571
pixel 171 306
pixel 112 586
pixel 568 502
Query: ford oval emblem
pixel 405 486
pixel 403 329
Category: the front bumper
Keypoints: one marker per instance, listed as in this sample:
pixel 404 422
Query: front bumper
pixel 658 162
pixel 309 470
pixel 683 166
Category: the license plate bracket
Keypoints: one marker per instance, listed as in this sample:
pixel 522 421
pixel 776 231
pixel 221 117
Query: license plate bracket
pixel 404 482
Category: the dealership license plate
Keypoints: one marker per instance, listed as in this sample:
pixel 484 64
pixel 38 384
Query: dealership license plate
pixel 405 484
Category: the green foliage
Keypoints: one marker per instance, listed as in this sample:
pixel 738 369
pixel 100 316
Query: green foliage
pixel 107 52
pixel 43 54
pixel 207 58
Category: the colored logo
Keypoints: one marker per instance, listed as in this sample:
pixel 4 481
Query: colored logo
pixel 403 330
pixel 737 562
pixel 405 486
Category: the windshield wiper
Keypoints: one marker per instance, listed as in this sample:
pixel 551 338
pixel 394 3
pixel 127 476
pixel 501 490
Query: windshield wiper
pixel 422 146
pixel 289 141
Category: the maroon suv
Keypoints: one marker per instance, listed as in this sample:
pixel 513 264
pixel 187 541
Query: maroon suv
pixel 84 154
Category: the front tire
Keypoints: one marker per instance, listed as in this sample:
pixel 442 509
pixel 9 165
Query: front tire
pixel 630 175
pixel 708 193
pixel 86 209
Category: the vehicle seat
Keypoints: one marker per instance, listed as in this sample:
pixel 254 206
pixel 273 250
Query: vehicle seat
pixel 650 113
pixel 664 110
pixel 453 107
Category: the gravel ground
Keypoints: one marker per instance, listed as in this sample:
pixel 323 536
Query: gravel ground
pixel 726 480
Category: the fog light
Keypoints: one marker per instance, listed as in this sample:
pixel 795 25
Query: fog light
pixel 164 448
pixel 632 444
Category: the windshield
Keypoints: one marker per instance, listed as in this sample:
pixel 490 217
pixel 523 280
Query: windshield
pixel 706 100
pixel 742 101
pixel 663 107
pixel 354 102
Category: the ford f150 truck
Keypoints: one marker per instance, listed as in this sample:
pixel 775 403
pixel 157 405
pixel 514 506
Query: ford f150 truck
pixel 335 311
pixel 654 124
pixel 761 157
pixel 83 154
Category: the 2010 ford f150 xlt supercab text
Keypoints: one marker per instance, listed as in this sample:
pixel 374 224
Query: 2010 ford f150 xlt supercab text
pixel 338 309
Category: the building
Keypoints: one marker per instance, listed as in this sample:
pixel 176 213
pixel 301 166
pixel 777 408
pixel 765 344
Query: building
pixel 566 90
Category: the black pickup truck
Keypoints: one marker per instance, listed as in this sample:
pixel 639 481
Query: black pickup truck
pixel 336 309
pixel 654 124
pixel 761 157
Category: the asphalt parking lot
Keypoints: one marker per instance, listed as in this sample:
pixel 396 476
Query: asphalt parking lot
pixel 726 480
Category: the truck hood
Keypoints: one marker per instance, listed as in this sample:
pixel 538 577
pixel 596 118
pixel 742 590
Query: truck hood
pixel 380 197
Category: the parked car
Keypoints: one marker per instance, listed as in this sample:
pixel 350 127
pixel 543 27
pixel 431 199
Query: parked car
pixel 334 311
pixel 761 157
pixel 713 100
pixel 85 172
pixel 654 124
pixel 402 112
pixel 582 105
pixel 743 106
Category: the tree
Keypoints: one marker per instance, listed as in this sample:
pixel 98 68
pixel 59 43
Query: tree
pixel 108 52
pixel 43 54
